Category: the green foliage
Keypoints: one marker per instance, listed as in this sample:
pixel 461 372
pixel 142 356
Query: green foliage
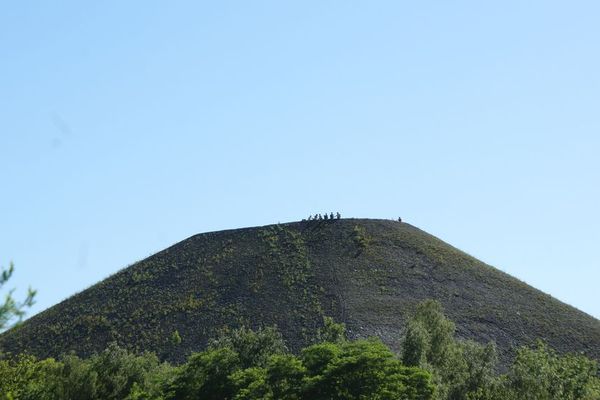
pixel 361 238
pixel 364 369
pixel 540 373
pixel 20 378
pixel 175 338
pixel 253 348
pixel 114 374
pixel 415 345
pixel 331 331
pixel 429 336
pixel 125 370
pixel 340 370
pixel 467 370
pixel 11 308
pixel 206 376
pixel 460 368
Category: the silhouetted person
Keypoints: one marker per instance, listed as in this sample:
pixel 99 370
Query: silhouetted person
pixel 338 215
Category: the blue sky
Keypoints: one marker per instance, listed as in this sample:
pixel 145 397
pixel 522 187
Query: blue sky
pixel 129 126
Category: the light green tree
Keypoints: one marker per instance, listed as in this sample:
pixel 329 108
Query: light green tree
pixel 460 369
pixel 11 309
pixel 540 373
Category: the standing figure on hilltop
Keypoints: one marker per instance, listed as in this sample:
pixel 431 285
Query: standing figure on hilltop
pixel 325 217
pixel 338 215
pixel 331 216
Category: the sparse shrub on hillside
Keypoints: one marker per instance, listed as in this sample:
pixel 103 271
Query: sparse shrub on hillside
pixel 175 338
pixel 361 239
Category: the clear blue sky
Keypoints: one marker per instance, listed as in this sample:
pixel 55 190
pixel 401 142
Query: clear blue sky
pixel 129 126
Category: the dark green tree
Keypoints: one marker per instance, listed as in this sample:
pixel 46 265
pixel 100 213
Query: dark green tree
pixel 364 369
pixel 206 376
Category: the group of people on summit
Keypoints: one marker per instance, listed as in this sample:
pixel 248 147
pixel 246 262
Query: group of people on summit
pixel 319 217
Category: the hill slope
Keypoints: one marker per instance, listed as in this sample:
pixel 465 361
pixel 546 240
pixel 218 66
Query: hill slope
pixel 366 273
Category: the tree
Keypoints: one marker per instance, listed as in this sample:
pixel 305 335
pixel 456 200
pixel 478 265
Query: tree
pixel 206 376
pixel 540 373
pixel 12 309
pixel 331 331
pixel 285 374
pixel 432 334
pixel 72 378
pixel 461 369
pixel 253 348
pixel 363 369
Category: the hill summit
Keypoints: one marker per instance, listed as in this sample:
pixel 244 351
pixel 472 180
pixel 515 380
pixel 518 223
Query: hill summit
pixel 368 274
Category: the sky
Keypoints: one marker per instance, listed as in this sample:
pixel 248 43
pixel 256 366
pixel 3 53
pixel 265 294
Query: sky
pixel 129 126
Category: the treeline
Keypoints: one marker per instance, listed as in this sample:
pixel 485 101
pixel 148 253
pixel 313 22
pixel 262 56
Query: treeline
pixel 247 364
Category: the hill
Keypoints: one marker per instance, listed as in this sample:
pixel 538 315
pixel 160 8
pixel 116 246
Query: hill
pixel 368 274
